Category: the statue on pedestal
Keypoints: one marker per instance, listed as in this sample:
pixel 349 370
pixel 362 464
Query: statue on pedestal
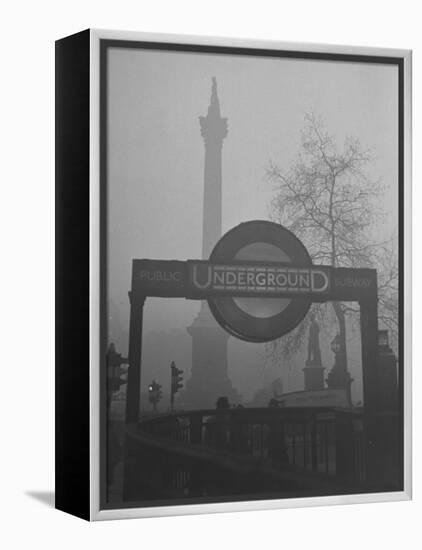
pixel 314 351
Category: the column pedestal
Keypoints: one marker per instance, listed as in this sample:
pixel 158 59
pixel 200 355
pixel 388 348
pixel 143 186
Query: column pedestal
pixel 314 376
pixel 209 379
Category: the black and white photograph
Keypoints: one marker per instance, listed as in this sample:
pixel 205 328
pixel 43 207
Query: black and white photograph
pixel 210 284
pixel 252 274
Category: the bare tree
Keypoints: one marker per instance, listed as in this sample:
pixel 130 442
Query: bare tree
pixel 328 200
pixel 388 289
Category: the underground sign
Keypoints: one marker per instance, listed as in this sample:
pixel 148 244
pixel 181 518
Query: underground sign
pixel 263 317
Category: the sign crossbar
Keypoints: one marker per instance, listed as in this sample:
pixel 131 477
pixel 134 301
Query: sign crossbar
pixel 199 280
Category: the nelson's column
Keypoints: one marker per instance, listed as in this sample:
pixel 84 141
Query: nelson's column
pixel 209 379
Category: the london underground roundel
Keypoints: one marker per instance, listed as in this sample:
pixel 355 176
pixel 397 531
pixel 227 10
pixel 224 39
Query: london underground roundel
pixel 257 319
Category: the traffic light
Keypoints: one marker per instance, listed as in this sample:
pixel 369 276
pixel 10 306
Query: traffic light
pixel 154 394
pixel 176 378
pixel 114 362
pixel 176 381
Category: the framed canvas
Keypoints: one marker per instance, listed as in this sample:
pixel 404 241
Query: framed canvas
pixel 233 275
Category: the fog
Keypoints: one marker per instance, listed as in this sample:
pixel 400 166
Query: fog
pixel 155 185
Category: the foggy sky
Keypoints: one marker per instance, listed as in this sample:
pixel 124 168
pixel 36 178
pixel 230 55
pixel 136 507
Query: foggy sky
pixel 155 167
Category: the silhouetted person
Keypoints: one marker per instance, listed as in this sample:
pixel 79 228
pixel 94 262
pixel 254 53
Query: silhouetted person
pixel 217 430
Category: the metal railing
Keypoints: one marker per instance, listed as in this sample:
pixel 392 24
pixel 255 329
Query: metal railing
pixel 243 450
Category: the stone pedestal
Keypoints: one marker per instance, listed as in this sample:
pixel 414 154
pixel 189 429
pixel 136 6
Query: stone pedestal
pixel 314 376
pixel 209 379
pixel 339 378
pixel 387 379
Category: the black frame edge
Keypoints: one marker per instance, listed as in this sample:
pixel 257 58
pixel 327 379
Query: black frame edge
pixel 72 419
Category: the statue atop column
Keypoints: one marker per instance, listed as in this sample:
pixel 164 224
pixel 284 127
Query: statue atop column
pixel 314 351
pixel 314 371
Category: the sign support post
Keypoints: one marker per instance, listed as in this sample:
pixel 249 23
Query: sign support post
pixel 135 356
pixel 369 343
